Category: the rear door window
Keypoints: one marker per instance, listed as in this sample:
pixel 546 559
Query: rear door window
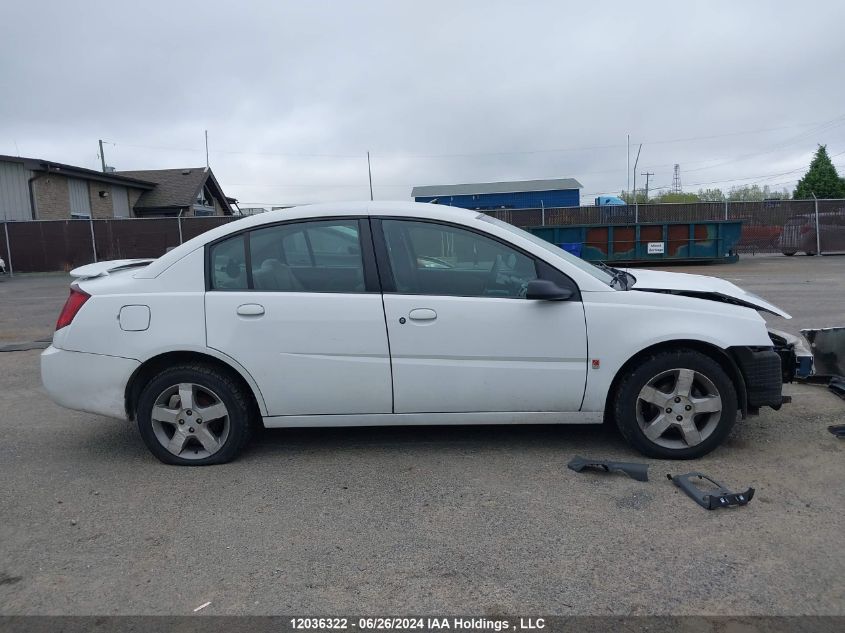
pixel 316 256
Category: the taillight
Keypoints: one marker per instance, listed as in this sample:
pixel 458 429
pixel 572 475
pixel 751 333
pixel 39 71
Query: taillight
pixel 73 304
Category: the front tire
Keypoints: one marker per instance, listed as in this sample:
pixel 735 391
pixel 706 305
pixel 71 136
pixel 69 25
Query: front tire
pixel 675 405
pixel 194 415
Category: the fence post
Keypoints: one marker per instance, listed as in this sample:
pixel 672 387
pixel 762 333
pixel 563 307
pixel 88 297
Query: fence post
pixel 542 214
pixel 93 241
pixel 726 208
pixel 818 228
pixel 179 219
pixel 8 249
pixel 636 210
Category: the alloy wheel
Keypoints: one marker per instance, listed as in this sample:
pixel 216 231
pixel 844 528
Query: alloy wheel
pixel 190 421
pixel 678 408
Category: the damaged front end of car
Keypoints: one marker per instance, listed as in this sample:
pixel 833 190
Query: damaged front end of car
pixel 764 369
pixel 795 356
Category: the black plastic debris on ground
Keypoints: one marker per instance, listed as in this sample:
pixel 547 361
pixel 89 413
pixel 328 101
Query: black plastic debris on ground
pixel 837 386
pixel 634 471
pixel 838 430
pixel 721 497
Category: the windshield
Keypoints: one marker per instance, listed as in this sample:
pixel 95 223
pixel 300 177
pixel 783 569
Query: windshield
pixel 587 267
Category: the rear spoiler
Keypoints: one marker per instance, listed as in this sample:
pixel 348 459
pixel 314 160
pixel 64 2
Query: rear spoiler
pixel 100 269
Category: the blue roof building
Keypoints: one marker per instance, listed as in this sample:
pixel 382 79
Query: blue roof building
pixel 520 194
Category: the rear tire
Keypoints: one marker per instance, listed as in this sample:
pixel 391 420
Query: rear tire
pixel 789 253
pixel 170 415
pixel 676 404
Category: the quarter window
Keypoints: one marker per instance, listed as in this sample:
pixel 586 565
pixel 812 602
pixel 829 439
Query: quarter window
pixel 437 259
pixel 228 264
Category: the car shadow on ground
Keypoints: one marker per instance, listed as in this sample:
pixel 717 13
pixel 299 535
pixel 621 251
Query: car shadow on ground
pixel 591 437
pixel 110 440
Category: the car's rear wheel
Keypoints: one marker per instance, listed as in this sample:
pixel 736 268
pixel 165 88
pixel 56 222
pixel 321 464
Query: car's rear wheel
pixel 194 415
pixel 675 405
pixel 789 253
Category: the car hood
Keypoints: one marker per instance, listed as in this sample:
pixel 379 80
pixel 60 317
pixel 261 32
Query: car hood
pixel 702 287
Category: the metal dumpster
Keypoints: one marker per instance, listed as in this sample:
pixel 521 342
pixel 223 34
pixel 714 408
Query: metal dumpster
pixel 646 242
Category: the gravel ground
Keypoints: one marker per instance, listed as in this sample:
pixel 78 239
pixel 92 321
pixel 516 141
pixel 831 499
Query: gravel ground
pixel 481 520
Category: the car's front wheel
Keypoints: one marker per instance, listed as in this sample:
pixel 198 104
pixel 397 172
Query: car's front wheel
pixel 675 405
pixel 194 415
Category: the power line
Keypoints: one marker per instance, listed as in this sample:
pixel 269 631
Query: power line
pixel 472 154
pixel 825 126
pixel 305 185
pixel 243 153
pixel 715 182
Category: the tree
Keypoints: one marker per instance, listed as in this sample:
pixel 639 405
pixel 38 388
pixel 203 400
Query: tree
pixel 771 194
pixel 755 193
pixel 821 179
pixel 746 193
pixel 711 195
pixel 676 197
pixel 629 197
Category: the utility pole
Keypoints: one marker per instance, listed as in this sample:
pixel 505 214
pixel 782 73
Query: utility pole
pixel 370 174
pixel 206 149
pixel 647 175
pixel 8 248
pixel 102 156
pixel 628 166
pixel 636 205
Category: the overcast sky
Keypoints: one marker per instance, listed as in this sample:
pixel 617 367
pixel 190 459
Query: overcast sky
pixel 293 94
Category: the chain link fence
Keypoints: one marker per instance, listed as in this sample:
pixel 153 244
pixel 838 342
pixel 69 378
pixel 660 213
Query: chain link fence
pixel 774 226
pixel 771 226
pixel 53 245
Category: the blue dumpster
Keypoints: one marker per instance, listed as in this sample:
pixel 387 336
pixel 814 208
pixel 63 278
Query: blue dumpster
pixel 703 241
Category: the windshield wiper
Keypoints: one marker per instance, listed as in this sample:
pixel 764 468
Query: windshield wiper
pixel 620 277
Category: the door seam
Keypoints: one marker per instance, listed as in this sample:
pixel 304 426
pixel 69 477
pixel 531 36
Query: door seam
pixel 384 315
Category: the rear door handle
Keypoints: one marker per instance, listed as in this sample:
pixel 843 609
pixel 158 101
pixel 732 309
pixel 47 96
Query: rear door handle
pixel 250 309
pixel 422 314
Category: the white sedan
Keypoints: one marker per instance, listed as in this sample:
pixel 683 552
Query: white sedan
pixel 402 313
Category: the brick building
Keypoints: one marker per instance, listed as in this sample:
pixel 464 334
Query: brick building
pixel 36 189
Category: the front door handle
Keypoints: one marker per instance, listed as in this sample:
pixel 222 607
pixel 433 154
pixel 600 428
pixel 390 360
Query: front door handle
pixel 422 314
pixel 251 309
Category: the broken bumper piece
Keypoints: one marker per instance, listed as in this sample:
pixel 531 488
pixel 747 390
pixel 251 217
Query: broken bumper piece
pixel 828 349
pixel 721 497
pixel 795 356
pixel 634 471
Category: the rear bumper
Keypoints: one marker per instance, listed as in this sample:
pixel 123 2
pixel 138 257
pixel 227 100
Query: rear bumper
pixel 94 383
pixel 761 370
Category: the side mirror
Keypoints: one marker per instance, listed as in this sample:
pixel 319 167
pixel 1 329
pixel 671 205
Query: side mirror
pixel 546 290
